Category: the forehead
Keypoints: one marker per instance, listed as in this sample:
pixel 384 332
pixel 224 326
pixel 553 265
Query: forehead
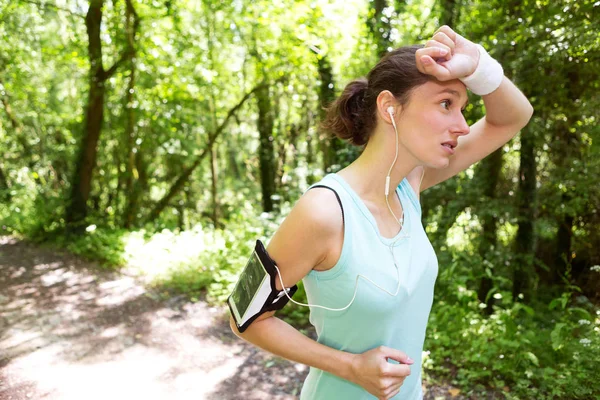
pixel 435 88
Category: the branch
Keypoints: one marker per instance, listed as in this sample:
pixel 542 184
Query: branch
pixel 231 113
pixel 43 4
pixel 124 57
pixel 131 8
pixel 13 120
pixel 187 172
pixel 130 51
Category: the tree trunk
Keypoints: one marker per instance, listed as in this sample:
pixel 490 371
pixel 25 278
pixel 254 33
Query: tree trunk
pixel 266 150
pixel 210 32
pixel 180 207
pixel 139 186
pixel 86 161
pixel 490 173
pixel 568 148
pixel 213 175
pixel 4 187
pixel 329 144
pixel 234 169
pixel 131 27
pixel 379 26
pixel 564 238
pixel 310 158
pixel 114 196
pixel 80 189
pixel 288 144
pixel 524 241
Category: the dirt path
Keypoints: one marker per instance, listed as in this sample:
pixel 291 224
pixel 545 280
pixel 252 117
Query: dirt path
pixel 69 331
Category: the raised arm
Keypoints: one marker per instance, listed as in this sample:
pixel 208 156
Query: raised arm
pixel 507 109
pixel 507 112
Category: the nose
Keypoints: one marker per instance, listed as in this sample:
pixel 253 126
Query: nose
pixel 461 127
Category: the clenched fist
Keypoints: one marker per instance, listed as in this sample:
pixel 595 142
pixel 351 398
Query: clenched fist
pixel 376 375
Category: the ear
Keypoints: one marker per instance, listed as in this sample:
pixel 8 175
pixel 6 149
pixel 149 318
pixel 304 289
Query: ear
pixel 386 102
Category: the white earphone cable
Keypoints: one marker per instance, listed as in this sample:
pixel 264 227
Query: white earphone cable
pixel 400 220
pixel 355 286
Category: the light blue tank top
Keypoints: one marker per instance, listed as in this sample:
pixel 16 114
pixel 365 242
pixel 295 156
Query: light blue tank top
pixel 375 318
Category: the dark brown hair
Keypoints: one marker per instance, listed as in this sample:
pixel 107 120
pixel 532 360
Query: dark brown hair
pixel 353 115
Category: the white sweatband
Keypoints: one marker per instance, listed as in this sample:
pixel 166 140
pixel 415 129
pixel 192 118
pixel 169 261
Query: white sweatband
pixel 487 76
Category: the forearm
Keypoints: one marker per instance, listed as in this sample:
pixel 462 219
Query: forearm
pixel 507 105
pixel 281 339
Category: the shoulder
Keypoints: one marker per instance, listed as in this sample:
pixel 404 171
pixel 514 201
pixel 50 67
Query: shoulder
pixel 306 235
pixel 318 211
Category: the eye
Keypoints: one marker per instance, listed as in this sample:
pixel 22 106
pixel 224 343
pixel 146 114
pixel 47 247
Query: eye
pixel 448 102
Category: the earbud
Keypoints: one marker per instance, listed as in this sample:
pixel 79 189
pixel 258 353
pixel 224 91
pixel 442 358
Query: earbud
pixel 390 111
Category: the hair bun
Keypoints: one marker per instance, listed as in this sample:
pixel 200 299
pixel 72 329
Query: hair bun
pixel 353 115
pixel 346 115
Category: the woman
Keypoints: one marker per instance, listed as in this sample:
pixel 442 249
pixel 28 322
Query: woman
pixel 367 265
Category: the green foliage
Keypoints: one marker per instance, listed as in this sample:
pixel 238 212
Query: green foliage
pixel 195 61
pixel 103 245
pixel 205 261
pixel 525 351
pixel 202 259
pixel 32 210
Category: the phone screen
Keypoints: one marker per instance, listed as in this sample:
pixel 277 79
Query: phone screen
pixel 248 286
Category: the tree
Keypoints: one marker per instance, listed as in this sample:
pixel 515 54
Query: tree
pixel 94 115
pixel 380 26
pixel 133 154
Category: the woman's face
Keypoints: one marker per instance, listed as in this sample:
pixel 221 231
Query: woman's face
pixel 433 116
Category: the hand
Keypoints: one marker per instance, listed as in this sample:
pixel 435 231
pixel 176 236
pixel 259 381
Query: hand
pixel 460 60
pixel 376 375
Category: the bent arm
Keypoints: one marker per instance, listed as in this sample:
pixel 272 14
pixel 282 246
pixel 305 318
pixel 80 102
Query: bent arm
pixel 279 338
pixel 507 112
pixel 302 242
pixel 507 106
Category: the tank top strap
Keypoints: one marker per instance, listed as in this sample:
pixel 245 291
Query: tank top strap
pixel 332 185
pixel 408 192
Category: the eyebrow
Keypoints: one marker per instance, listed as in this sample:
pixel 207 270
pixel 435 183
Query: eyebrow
pixel 454 92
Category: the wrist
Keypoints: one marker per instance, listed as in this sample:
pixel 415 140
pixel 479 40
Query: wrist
pixel 487 76
pixel 348 368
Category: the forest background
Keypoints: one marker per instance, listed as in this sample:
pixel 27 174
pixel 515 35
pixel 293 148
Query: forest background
pixel 170 135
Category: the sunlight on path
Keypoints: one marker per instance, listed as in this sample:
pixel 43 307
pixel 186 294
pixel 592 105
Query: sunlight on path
pixel 68 331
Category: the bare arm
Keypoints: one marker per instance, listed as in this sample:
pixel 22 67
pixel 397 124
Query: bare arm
pixel 507 108
pixel 301 243
pixel 278 337
pixel 507 112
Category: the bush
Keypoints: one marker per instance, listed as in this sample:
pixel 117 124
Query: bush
pixel 104 245
pixel 523 352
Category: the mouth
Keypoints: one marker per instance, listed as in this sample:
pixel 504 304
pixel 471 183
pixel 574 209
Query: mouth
pixel 449 147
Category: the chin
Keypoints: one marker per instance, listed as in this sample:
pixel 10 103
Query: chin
pixel 438 164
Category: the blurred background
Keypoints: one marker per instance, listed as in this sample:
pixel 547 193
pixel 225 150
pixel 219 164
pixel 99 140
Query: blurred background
pixel 162 138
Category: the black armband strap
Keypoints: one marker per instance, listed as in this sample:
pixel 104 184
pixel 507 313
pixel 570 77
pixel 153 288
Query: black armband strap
pixel 255 292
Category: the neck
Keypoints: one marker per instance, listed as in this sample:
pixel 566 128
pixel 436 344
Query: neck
pixel 367 174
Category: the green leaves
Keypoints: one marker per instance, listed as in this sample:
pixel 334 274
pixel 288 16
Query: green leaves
pixel 532 357
pixel 557 336
pixel 559 302
pixel 195 60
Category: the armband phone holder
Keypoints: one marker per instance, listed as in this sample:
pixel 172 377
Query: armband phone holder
pixel 255 292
